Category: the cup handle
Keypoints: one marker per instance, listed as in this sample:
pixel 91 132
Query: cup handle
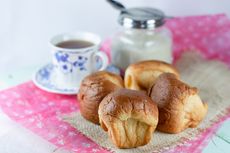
pixel 104 59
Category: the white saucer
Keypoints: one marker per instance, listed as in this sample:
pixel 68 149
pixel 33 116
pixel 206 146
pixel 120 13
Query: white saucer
pixel 45 76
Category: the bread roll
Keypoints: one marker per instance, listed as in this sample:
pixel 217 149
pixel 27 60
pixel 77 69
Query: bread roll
pixel 141 75
pixel 93 89
pixel 129 116
pixel 179 104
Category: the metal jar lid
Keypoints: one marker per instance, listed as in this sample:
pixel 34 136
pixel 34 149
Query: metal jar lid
pixel 141 18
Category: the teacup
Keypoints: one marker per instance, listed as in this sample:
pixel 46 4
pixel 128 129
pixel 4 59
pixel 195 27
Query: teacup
pixel 73 63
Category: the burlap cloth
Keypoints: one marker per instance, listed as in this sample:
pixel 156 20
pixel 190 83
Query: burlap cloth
pixel 212 79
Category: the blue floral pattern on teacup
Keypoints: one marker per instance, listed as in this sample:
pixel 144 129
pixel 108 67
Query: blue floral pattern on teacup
pixel 45 79
pixel 67 66
pixel 44 73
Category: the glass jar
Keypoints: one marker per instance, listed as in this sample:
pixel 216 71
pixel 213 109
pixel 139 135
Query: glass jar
pixel 141 38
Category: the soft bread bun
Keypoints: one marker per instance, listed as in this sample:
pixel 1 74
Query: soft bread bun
pixel 129 116
pixel 179 104
pixel 141 75
pixel 93 89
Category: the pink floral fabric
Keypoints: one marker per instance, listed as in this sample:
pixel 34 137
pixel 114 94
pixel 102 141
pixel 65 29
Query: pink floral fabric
pixel 210 35
pixel 40 111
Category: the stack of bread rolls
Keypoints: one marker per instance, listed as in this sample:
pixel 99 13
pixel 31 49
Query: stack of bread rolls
pixel 151 97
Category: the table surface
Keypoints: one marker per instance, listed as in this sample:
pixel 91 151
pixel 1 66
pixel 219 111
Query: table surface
pixel 13 136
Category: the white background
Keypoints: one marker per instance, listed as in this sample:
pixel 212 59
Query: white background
pixel 27 25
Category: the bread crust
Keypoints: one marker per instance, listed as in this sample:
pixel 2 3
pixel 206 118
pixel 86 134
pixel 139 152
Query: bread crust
pixel 129 116
pixel 93 89
pixel 141 75
pixel 179 105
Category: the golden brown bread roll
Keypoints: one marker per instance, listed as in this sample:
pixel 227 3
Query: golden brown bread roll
pixel 179 104
pixel 141 75
pixel 93 89
pixel 129 116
